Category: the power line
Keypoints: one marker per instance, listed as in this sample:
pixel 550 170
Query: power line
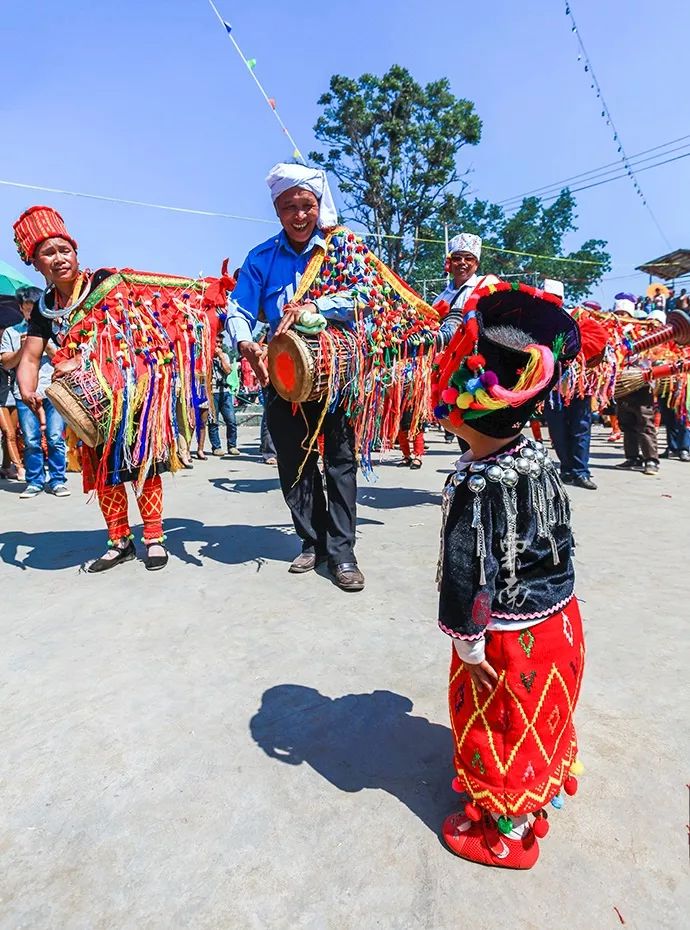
pixel 595 172
pixel 586 187
pixel 136 203
pixel 606 115
pixel 254 219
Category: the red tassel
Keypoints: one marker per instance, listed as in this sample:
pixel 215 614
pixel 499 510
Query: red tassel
pixel 472 812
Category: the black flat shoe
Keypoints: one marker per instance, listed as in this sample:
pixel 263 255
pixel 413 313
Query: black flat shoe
pixel 154 563
pixel 123 555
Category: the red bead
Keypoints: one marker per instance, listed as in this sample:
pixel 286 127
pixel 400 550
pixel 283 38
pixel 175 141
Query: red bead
pixel 472 812
pixel 540 827
pixel 456 786
pixel 570 785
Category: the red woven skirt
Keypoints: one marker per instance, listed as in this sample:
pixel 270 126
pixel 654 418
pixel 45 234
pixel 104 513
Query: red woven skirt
pixel 514 746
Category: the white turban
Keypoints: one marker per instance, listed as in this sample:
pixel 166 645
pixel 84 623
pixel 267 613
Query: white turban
pixel 466 242
pixel 552 286
pixel 282 177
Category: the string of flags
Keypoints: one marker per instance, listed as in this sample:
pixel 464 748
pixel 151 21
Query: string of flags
pixel 606 114
pixel 250 64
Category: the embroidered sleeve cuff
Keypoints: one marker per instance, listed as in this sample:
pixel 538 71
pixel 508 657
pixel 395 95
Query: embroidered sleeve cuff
pixel 471 652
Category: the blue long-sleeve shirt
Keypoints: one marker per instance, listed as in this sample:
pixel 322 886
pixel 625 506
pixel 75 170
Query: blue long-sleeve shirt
pixel 268 280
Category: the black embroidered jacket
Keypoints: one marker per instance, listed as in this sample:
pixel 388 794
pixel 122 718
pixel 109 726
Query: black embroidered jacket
pixel 506 542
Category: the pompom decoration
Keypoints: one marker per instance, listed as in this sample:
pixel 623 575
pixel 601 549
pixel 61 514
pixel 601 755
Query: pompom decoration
pixel 489 379
pixel 455 418
pixel 450 395
pixel 475 362
pixel 505 825
pixel 441 412
pixel 557 802
pixel 540 827
pixel 472 812
pixel 463 401
pixel 570 785
pixel 473 385
pixel 577 768
pixel 456 786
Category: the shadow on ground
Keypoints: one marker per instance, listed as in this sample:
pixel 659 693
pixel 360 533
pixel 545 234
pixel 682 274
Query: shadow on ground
pixel 245 485
pixel 231 545
pixel 390 498
pixel 361 741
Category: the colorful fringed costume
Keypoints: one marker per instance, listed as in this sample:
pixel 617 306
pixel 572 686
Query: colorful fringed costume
pixel 147 342
pixel 506 579
pixel 387 346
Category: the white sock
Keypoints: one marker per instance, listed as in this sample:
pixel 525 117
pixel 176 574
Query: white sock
pixel 520 826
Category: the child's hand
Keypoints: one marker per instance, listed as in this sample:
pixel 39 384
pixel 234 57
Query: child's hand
pixel 483 675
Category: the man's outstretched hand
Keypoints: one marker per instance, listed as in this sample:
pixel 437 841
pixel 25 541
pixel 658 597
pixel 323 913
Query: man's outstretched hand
pixel 256 356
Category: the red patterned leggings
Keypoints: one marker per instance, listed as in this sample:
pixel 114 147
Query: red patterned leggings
pixel 404 443
pixel 114 507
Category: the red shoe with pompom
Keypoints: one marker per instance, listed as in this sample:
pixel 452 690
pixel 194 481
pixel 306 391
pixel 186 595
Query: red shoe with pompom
pixel 481 842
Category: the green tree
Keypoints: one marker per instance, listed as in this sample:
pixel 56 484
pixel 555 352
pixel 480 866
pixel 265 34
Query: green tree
pixel 393 145
pixel 533 228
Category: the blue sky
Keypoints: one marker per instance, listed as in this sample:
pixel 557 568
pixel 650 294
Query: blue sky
pixel 147 100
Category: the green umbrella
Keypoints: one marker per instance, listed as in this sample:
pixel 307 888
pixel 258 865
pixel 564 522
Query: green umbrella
pixel 11 279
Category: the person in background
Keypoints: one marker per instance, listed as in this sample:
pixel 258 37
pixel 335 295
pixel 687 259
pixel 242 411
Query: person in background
pixel 12 466
pixel 226 384
pixel 683 302
pixel 677 432
pixel 670 301
pixel 462 263
pixel 659 301
pixel 47 420
pixel 636 418
pixel 570 425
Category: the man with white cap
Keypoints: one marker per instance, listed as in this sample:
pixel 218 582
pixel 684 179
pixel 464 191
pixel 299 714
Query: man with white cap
pixel 462 262
pixel 267 284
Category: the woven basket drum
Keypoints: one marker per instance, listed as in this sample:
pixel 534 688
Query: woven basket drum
pixel 85 418
pixel 300 366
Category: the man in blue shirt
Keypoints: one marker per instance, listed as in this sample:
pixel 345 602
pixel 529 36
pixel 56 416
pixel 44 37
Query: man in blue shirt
pixel 268 281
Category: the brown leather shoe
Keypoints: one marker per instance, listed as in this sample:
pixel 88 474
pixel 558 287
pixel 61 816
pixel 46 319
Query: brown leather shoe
pixel 305 562
pixel 348 576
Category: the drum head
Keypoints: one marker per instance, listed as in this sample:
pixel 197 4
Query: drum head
pixel 290 367
pixel 73 413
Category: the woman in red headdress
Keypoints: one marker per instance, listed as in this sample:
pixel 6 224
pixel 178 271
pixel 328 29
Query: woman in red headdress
pixel 140 342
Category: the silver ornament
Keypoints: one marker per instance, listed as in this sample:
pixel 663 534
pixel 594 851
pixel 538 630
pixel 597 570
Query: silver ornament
pixel 534 469
pixel 510 477
pixel 494 472
pixel 477 467
pixel 476 483
pixel 506 460
pixel 528 452
pixel 522 466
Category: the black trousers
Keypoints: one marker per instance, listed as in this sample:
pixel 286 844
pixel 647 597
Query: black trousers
pixel 326 525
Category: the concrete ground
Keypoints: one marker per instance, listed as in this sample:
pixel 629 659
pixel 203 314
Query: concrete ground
pixel 224 745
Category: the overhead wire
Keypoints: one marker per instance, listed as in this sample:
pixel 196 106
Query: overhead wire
pixel 255 219
pixel 597 172
pixel 606 114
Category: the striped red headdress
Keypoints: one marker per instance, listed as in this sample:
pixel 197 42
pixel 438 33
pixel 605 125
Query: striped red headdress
pixel 34 226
